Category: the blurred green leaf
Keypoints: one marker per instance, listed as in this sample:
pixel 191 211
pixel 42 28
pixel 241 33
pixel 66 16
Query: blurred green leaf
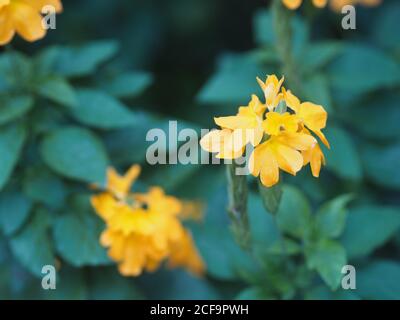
pixel 107 284
pixel 129 84
pixel 222 256
pixel 343 158
pixel 32 245
pixel 381 164
pixel 252 293
pixel 319 54
pixel 379 280
pixel 98 109
pixel 77 236
pixel 330 219
pixel 370 120
pixel 75 153
pixel 234 81
pixel 349 72
pixel 294 213
pixel 13 107
pixel 368 228
pixel 328 258
pixel 83 60
pixel 44 187
pixel 14 211
pixel 12 138
pixel 384 30
pixel 58 90
pixel 324 293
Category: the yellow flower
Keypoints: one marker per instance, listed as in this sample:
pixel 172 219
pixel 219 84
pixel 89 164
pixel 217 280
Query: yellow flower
pixel 237 131
pixel 281 150
pixel 120 185
pixel 336 5
pixel 144 230
pixel 312 115
pixel 283 140
pixel 294 4
pixel 271 88
pixel 23 17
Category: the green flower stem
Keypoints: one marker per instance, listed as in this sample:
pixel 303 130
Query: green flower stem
pixel 283 32
pixel 237 207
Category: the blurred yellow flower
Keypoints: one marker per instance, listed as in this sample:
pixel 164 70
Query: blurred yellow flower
pixel 144 229
pixel 336 5
pixel 283 138
pixel 25 18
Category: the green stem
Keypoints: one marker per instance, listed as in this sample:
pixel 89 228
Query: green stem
pixel 237 207
pixel 283 32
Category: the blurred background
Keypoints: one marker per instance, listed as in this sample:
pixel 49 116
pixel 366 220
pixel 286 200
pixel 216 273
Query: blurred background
pixel 191 60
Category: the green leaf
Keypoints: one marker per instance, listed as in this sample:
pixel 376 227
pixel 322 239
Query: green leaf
pixel 294 213
pixel 381 164
pixel 381 125
pixel 343 158
pixel 234 81
pixel 76 237
pixel 379 280
pixel 17 69
pixel 330 219
pixel 105 283
pixel 349 72
pixel 84 60
pixel 97 109
pixel 384 29
pixel 12 108
pixel 75 153
pixel 12 138
pixel 271 197
pixel 319 54
pixel 368 228
pixel 324 293
pixel 32 245
pixel 44 187
pixel 128 84
pixel 328 258
pixel 14 211
pixel 252 293
pixel 58 90
pixel 129 145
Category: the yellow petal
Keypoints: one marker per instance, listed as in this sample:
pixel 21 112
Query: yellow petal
pixel 4 3
pixel 27 21
pixel 235 122
pixel 40 4
pixel 120 185
pixel 323 138
pixel 289 160
pixel 105 205
pixel 298 141
pixel 291 100
pixel 263 162
pixel 320 3
pixel 313 115
pixel 6 26
pixel 275 123
pixel 292 4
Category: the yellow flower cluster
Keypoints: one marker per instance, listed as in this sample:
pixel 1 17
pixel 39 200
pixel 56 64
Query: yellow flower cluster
pixel 25 18
pixel 144 229
pixel 282 139
pixel 336 5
